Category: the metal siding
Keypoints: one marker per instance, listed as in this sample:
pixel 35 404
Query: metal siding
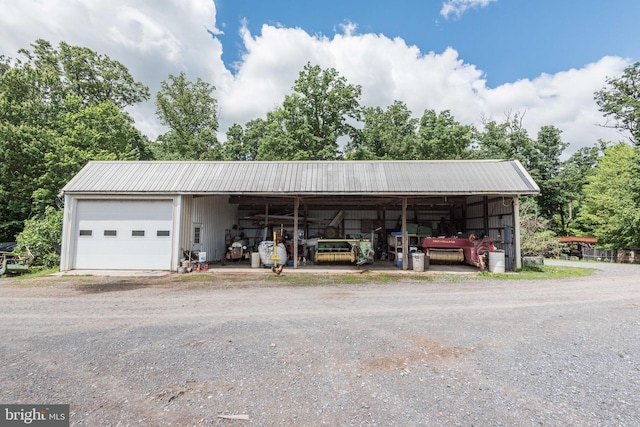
pixel 185 223
pixel 352 227
pixel 216 215
pixel 474 211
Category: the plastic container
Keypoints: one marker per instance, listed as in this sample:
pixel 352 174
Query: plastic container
pixel 418 261
pixel 265 249
pixel 496 261
pixel 255 259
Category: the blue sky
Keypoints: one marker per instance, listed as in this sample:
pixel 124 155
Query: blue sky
pixel 479 59
pixel 507 39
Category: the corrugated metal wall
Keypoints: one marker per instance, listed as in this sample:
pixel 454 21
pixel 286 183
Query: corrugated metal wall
pixel 185 223
pixel 501 228
pixel 216 215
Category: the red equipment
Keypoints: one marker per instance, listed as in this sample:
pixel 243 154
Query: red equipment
pixel 455 249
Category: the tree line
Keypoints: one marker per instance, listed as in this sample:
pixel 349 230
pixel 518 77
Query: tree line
pixel 63 106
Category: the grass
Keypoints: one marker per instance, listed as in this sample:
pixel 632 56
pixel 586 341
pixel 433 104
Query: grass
pixel 33 273
pixel 34 276
pixel 542 272
pixel 344 279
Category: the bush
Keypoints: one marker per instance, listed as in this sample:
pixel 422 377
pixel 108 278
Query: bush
pixel 43 235
pixel 535 237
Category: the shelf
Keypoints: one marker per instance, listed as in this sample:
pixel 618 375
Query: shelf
pixel 395 241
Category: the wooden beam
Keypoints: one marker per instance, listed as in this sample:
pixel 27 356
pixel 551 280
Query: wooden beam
pixel 405 238
pixel 296 206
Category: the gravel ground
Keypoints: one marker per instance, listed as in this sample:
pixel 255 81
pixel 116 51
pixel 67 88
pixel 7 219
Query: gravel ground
pixel 156 351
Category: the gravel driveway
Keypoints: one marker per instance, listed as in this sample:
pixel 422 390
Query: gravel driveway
pixel 157 352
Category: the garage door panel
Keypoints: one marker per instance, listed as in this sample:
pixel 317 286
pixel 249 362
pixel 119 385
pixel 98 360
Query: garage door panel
pixel 120 249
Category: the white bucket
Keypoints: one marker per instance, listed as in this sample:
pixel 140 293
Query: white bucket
pixel 496 261
pixel 255 259
pixel 418 261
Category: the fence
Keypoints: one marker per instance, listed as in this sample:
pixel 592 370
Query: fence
pixel 611 255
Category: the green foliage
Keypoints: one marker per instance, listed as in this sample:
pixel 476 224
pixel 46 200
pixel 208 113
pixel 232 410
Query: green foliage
pixel 59 108
pixel 243 144
pixel 42 236
pixel 508 140
pixel 313 118
pixel 493 141
pixel 573 176
pixel 190 112
pixel 620 102
pixel 393 134
pixel 611 202
pixel 536 239
pixel 542 272
pixel 387 134
pixel 544 165
pixel 441 137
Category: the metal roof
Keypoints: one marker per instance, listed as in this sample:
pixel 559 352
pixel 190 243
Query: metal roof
pixel 419 177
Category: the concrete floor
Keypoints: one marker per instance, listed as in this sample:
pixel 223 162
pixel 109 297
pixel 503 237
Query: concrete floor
pixel 326 268
pixel 342 268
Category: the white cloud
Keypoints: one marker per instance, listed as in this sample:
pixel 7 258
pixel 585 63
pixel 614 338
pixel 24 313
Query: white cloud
pixel 152 39
pixel 389 70
pixel 135 30
pixel 153 42
pixel 565 100
pixel 458 7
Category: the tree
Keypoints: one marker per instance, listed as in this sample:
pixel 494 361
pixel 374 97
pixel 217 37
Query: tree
pixel 441 137
pixel 59 108
pixel 42 237
pixel 536 237
pixel 95 132
pixel 620 102
pixel 493 141
pixel 321 110
pixel 386 134
pixel 507 140
pixel 189 111
pixel 573 176
pixel 243 144
pixel 544 165
pixel 610 209
pixel 541 158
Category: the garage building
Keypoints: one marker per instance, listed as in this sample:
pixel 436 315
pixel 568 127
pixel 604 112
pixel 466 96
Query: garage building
pixel 124 215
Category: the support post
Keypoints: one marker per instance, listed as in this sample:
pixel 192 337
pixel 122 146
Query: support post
pixel 405 238
pixel 296 207
pixel 516 232
pixel 265 232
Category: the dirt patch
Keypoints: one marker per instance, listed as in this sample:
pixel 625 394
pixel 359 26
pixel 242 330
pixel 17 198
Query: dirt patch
pixel 119 286
pixel 422 350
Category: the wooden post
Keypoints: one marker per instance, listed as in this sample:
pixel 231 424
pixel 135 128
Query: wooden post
pixel 516 232
pixel 296 206
pixel 265 232
pixel 405 238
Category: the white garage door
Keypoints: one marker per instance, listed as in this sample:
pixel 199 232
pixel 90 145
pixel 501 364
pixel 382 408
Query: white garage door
pixel 124 234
